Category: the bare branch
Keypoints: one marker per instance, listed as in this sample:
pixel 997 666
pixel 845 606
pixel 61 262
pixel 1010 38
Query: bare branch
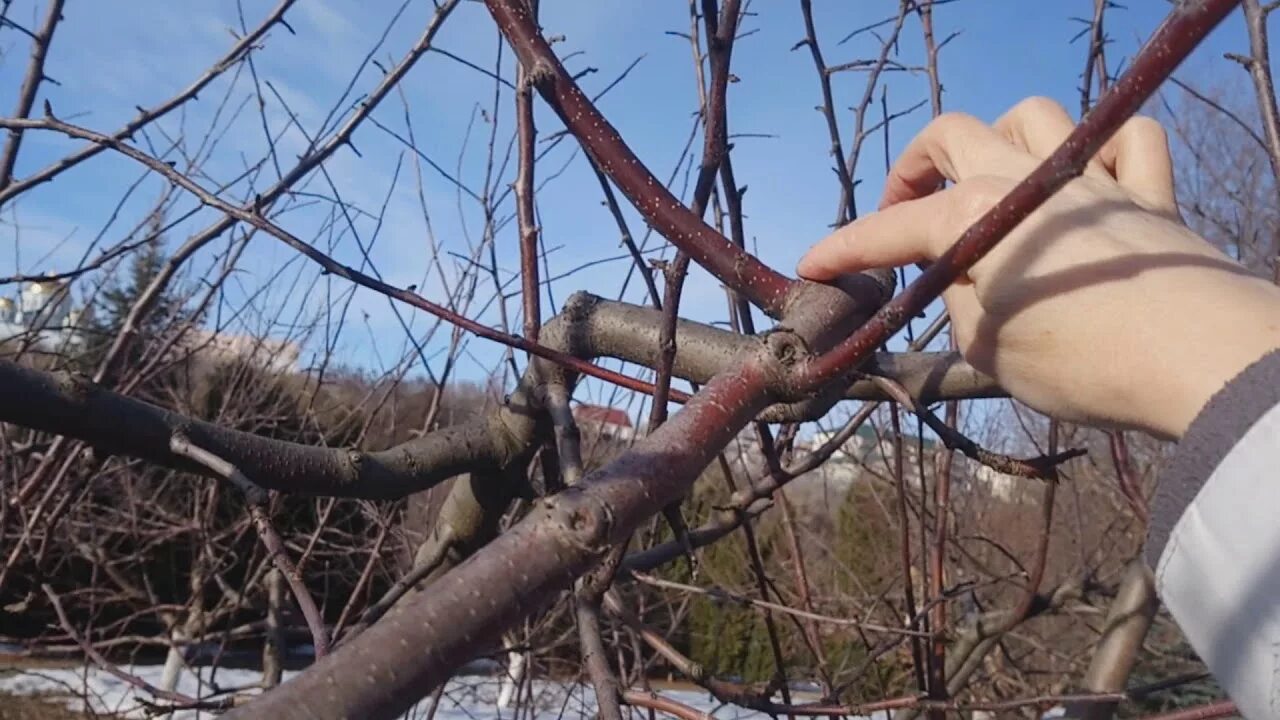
pixel 30 86
pixel 256 498
pixel 733 266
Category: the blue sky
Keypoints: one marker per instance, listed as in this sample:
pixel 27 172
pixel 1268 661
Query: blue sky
pixel 111 57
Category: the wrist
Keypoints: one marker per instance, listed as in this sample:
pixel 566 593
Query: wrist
pixel 1243 328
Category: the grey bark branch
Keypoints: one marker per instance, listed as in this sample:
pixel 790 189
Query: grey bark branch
pixel 589 327
pixel 75 407
pixel 418 645
pixel 982 634
pixel 1128 621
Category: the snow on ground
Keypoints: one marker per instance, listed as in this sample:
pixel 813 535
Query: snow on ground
pixel 465 698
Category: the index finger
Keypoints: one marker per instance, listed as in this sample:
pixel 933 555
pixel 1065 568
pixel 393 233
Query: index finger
pixel 954 146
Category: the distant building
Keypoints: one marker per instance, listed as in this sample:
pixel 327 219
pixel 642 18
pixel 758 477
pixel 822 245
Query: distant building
pixel 607 422
pixel 267 353
pixel 45 304
pixel 44 316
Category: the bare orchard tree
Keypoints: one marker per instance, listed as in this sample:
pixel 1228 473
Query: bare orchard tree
pixel 192 465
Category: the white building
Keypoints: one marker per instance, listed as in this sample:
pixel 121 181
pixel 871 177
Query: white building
pixel 43 315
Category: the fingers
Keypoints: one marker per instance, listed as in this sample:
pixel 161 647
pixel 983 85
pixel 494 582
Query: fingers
pixel 911 231
pixel 1138 156
pixel 1039 125
pixel 952 147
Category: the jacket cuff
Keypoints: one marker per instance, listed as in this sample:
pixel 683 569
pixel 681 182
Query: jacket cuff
pixel 1215 431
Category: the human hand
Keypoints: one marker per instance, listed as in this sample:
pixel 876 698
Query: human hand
pixel 1101 307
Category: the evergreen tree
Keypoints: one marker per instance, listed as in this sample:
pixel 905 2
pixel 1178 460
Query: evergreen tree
pixel 114 302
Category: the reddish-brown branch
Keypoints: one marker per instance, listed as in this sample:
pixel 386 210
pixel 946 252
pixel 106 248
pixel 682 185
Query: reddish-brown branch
pixel 1036 576
pixel 848 208
pixel 931 49
pixel 904 546
pixel 733 266
pixel 357 590
pixel 943 465
pixel 595 657
pixel 937 569
pixel 525 214
pixel 714 149
pixel 801 571
pixel 1129 486
pixel 1181 32
pixel 469 607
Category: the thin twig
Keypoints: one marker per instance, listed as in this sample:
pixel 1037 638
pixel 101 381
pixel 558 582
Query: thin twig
pixel 256 498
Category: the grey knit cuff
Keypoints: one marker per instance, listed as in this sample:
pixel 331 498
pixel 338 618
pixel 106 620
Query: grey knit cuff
pixel 1224 420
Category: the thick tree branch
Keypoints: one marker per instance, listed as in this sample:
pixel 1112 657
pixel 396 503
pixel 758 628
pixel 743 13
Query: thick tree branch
pixel 75 407
pixel 418 645
pixel 590 327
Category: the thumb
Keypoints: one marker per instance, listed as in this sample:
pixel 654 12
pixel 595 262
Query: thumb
pixel 908 232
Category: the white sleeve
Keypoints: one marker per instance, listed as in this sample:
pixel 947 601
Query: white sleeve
pixel 1215 538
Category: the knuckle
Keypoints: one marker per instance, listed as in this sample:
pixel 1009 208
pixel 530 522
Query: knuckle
pixel 1146 126
pixel 1038 106
pixel 975 196
pixel 954 120
pixel 968 201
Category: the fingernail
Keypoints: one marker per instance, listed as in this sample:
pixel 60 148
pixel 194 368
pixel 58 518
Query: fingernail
pixel 808 268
